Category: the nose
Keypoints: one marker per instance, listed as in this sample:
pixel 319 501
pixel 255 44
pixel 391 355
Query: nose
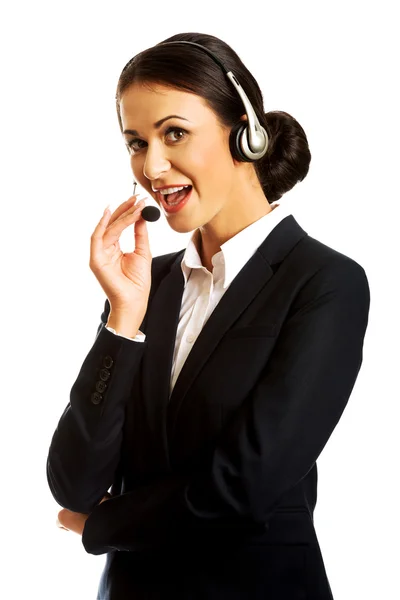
pixel 156 162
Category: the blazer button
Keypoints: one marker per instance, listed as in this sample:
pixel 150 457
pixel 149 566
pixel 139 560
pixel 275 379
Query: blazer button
pixel 108 362
pixel 100 386
pixel 96 398
pixel 104 374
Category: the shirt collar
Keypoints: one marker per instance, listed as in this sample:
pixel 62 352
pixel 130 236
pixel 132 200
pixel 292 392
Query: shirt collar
pixel 235 252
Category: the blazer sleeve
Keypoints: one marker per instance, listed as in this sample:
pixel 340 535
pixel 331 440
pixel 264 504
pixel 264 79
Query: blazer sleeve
pixel 85 448
pixel 274 437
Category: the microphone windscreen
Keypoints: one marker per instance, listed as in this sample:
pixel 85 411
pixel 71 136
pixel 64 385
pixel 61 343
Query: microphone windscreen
pixel 151 213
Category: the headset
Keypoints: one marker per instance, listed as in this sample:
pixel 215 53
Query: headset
pixel 248 141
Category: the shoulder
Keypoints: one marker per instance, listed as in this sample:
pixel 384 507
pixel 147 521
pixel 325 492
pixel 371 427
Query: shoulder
pixel 331 275
pixel 321 256
pixel 312 259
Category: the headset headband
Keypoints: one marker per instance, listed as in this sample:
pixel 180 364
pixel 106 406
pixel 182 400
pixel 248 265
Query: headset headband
pixel 257 136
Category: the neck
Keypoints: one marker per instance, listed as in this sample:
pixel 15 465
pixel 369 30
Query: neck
pixel 211 236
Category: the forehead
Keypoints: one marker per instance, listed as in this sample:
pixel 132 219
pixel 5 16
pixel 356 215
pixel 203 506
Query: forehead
pixel 143 104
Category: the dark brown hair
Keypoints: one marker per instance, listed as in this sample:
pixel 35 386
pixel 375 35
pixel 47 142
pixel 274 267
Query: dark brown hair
pixel 190 69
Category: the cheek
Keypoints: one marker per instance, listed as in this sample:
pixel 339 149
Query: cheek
pixel 211 165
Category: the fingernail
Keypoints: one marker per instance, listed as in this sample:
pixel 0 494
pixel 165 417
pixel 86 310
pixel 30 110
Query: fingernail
pixel 140 202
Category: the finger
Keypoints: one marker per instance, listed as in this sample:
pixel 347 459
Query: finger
pixel 140 204
pixel 98 240
pixel 108 218
pixel 72 521
pixel 142 244
pixel 62 518
pixel 67 518
pixel 61 526
pixel 113 232
pixel 120 210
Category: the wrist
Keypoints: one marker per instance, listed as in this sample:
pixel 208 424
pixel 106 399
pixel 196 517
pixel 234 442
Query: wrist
pixel 126 325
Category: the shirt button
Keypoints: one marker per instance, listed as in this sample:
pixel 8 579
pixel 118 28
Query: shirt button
pixel 190 338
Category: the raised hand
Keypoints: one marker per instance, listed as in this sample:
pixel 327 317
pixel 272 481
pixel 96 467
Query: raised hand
pixel 124 277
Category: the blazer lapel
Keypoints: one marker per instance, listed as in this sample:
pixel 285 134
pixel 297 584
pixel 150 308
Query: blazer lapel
pixel 160 328
pixel 163 320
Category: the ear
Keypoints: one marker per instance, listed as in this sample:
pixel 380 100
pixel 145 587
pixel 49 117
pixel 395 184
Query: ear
pixel 243 117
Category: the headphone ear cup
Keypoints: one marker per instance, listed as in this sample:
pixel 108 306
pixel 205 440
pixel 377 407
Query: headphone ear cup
pixel 238 132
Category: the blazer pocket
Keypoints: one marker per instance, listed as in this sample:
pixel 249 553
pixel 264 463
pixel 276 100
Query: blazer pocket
pixel 269 330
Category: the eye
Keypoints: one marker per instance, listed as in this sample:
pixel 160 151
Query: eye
pixel 173 129
pixel 132 144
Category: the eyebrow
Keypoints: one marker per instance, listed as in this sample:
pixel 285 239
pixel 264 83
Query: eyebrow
pixel 156 125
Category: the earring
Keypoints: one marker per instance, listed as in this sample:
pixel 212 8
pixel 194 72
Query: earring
pixel 134 187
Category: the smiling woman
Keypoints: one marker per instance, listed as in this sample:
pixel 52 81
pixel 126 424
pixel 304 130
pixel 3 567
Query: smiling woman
pixel 208 420
pixel 198 147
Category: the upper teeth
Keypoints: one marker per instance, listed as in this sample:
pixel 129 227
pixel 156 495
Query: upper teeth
pixel 172 190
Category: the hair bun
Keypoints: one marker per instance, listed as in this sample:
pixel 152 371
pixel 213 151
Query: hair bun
pixel 288 157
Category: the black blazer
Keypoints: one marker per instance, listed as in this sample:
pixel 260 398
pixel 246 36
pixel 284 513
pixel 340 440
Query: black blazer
pixel 214 489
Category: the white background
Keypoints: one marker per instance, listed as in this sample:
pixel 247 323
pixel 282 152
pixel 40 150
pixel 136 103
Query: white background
pixel 333 67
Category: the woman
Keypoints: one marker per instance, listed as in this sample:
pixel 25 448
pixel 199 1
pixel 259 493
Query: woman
pixel 220 371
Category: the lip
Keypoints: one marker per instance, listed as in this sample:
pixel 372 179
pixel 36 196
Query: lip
pixel 174 209
pixel 164 187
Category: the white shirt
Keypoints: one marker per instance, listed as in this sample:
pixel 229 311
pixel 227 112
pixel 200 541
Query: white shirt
pixel 203 290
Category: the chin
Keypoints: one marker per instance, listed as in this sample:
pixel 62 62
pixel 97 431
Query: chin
pixel 182 228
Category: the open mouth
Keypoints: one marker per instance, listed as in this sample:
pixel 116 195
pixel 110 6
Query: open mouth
pixel 176 197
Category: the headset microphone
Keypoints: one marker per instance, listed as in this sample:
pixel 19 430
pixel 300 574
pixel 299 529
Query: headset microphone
pixel 149 213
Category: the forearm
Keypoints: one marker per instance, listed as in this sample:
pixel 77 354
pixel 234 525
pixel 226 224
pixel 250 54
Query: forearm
pixel 85 448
